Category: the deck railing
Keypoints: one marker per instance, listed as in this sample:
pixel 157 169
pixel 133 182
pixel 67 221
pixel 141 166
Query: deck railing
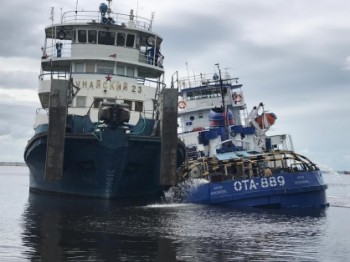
pixel 117 18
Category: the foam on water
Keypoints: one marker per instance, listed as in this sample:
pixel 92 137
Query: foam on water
pixel 168 205
pixel 179 193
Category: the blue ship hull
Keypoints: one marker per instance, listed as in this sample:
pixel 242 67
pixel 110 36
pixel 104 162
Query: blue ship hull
pixel 121 165
pixel 284 190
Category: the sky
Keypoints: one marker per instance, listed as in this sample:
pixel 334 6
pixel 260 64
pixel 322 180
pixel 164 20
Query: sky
pixel 294 56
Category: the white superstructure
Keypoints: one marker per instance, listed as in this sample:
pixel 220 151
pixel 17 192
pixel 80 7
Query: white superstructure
pixel 111 57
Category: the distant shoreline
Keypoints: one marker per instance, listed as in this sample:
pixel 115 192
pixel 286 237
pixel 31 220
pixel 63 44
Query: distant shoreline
pixel 24 164
pixel 12 164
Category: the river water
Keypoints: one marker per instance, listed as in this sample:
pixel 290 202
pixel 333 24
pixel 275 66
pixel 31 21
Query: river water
pixel 35 227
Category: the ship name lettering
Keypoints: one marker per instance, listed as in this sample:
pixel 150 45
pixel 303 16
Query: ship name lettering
pixel 112 85
pixel 250 184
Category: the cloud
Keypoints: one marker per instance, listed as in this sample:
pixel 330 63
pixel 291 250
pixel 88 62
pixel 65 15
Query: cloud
pixel 292 55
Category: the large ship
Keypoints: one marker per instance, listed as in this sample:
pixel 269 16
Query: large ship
pixel 231 159
pixel 105 109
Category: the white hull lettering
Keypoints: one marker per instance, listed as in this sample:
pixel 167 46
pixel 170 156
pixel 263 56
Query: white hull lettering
pixel 251 184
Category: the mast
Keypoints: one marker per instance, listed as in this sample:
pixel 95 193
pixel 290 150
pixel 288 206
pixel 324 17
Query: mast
pixel 223 90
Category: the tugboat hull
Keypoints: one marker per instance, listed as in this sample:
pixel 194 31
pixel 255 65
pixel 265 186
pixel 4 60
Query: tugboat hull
pixel 115 167
pixel 288 190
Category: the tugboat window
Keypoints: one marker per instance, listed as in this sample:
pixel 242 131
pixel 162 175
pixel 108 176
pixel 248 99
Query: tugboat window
pixel 92 36
pixel 120 70
pixel 120 39
pixel 130 71
pixel 130 39
pixel 82 36
pixel 190 96
pixel 81 101
pixel 106 38
pixel 128 102
pixel 191 118
pixel 79 67
pixel 111 100
pixel 97 102
pixel 90 67
pixel 105 68
pixel 138 106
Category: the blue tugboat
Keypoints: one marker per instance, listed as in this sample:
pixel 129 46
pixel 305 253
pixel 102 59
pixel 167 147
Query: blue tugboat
pixel 231 160
pixel 105 109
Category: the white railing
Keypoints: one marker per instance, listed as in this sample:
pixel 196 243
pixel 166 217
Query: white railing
pixel 65 51
pixel 203 80
pixel 95 17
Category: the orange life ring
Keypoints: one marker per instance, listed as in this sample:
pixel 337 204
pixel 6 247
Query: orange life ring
pixel 182 104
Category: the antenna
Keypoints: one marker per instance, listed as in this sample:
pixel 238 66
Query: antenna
pixel 188 75
pixel 52 14
pixel 76 7
pixel 222 89
pixel 52 17
pixel 152 19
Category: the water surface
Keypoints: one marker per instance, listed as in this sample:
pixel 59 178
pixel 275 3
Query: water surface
pixel 35 227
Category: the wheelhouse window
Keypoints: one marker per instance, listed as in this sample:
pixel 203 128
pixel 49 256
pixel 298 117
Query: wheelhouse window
pixel 130 71
pixel 106 38
pixel 82 36
pixel 129 103
pixel 121 39
pixel 138 106
pixel 90 67
pixel 97 102
pixel 79 67
pixel 111 100
pixel 130 39
pixel 81 101
pixel 190 96
pixel 120 70
pixel 105 68
pixel 92 36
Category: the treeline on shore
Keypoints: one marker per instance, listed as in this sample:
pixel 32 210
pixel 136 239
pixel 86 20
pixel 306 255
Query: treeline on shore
pixel 12 164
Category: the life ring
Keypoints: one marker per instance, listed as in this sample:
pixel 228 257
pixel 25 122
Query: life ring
pixel 182 104
pixel 237 98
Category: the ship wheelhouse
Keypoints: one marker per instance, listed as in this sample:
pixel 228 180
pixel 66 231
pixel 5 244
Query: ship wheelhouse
pixel 115 60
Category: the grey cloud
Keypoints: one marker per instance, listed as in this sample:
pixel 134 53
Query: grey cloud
pixel 18 80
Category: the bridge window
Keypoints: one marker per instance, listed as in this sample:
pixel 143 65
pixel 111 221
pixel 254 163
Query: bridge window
pixel 129 103
pixel 97 102
pixel 92 36
pixel 106 38
pixel 82 36
pixel 79 67
pixel 190 96
pixel 138 106
pixel 105 68
pixel 130 39
pixel 81 101
pixel 120 70
pixel 111 100
pixel 120 39
pixel 130 71
pixel 90 67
